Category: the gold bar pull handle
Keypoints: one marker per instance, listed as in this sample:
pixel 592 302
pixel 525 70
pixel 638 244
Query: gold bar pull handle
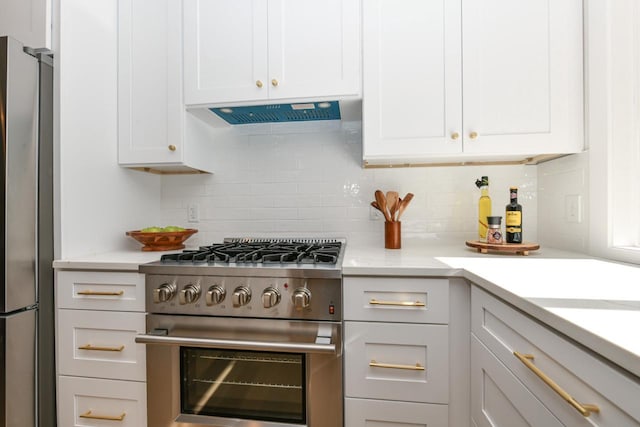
pixel 90 347
pixel 374 301
pixel 101 293
pixel 88 414
pixel 416 367
pixel 585 409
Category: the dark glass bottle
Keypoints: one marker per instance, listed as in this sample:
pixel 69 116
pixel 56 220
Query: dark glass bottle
pixel 513 223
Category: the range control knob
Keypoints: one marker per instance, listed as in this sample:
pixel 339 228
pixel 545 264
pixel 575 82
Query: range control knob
pixel 301 298
pixel 189 294
pixel 270 297
pixel 164 293
pixel 215 295
pixel 241 296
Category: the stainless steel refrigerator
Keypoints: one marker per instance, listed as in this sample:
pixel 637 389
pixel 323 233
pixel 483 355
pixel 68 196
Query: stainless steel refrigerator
pixel 27 367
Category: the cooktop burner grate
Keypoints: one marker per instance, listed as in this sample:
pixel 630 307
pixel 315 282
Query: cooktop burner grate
pixel 261 251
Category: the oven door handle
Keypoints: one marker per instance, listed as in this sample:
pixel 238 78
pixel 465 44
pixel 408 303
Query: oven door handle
pixel 286 347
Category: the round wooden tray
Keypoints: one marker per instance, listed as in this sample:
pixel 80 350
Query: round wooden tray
pixel 516 248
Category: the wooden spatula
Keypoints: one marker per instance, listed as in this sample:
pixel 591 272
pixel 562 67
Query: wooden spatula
pixel 382 202
pixel 392 203
pixel 405 202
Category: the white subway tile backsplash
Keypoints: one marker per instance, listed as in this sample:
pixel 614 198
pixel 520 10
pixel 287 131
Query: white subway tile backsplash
pixel 313 184
pixel 567 176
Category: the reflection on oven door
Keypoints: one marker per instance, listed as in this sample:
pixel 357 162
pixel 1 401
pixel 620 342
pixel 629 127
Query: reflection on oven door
pixel 243 384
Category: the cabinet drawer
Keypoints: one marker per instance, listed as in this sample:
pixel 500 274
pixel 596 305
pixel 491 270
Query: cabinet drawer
pixel 92 402
pixel 101 344
pixel 100 290
pixel 378 413
pixel 393 299
pixel 397 362
pixel 588 379
pixel 498 399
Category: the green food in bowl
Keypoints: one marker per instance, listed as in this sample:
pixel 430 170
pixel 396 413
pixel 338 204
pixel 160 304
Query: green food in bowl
pixel 168 228
pixel 173 228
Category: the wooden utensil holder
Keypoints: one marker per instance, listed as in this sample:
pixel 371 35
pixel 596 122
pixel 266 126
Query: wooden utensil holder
pixel 392 232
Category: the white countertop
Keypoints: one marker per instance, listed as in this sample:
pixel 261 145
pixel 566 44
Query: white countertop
pixel 594 302
pixel 118 260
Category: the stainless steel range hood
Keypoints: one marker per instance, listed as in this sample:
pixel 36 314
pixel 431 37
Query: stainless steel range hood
pixel 284 116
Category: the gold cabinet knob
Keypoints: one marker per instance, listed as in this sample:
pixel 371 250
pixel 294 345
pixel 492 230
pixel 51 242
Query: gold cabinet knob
pixel 455 135
pixel 259 83
pixel 172 147
pixel 473 135
pixel 274 82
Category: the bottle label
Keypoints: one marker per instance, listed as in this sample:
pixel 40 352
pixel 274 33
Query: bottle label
pixel 513 219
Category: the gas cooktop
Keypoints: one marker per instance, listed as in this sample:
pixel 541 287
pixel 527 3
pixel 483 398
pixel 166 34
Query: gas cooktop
pixel 261 252
pixel 281 257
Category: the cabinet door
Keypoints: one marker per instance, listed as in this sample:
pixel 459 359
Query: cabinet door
pixel 412 79
pixel 150 110
pixel 522 76
pixel 28 21
pixel 84 402
pixel 314 48
pixel 498 399
pixel 381 413
pixel 225 56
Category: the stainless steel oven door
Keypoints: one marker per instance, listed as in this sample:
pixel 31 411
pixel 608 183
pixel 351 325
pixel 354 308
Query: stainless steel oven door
pixel 229 372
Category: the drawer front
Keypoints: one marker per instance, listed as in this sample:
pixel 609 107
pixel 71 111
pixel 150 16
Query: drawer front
pixel 381 413
pixel 498 399
pixel 394 299
pixel 397 362
pixel 100 290
pixel 84 402
pixel 581 375
pixel 101 344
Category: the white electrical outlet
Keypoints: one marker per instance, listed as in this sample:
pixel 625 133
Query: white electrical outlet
pixel 193 212
pixel 573 208
pixel 374 214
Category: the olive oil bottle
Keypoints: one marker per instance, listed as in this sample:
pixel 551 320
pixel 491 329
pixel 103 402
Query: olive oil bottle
pixel 484 207
pixel 513 221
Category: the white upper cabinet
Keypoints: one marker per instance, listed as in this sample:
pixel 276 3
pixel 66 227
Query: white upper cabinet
pixel 255 50
pixel 28 21
pixel 412 87
pixel 154 131
pixel 466 80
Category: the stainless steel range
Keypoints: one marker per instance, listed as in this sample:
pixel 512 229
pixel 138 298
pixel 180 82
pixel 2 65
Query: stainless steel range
pixel 244 333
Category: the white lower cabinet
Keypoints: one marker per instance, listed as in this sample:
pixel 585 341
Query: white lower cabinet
pixel 398 362
pixel 524 373
pixel 101 370
pixel 380 413
pixel 97 402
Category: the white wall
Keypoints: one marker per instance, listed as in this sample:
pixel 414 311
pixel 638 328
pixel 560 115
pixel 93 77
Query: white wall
pixel 99 201
pixel 314 185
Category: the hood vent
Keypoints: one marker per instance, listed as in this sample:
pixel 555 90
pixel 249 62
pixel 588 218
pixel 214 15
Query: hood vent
pixel 312 111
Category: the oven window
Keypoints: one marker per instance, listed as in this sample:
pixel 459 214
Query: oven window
pixel 243 384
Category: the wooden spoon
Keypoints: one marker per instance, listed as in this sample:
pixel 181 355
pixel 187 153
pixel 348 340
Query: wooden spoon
pixel 404 204
pixel 382 202
pixel 375 205
pixel 392 202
